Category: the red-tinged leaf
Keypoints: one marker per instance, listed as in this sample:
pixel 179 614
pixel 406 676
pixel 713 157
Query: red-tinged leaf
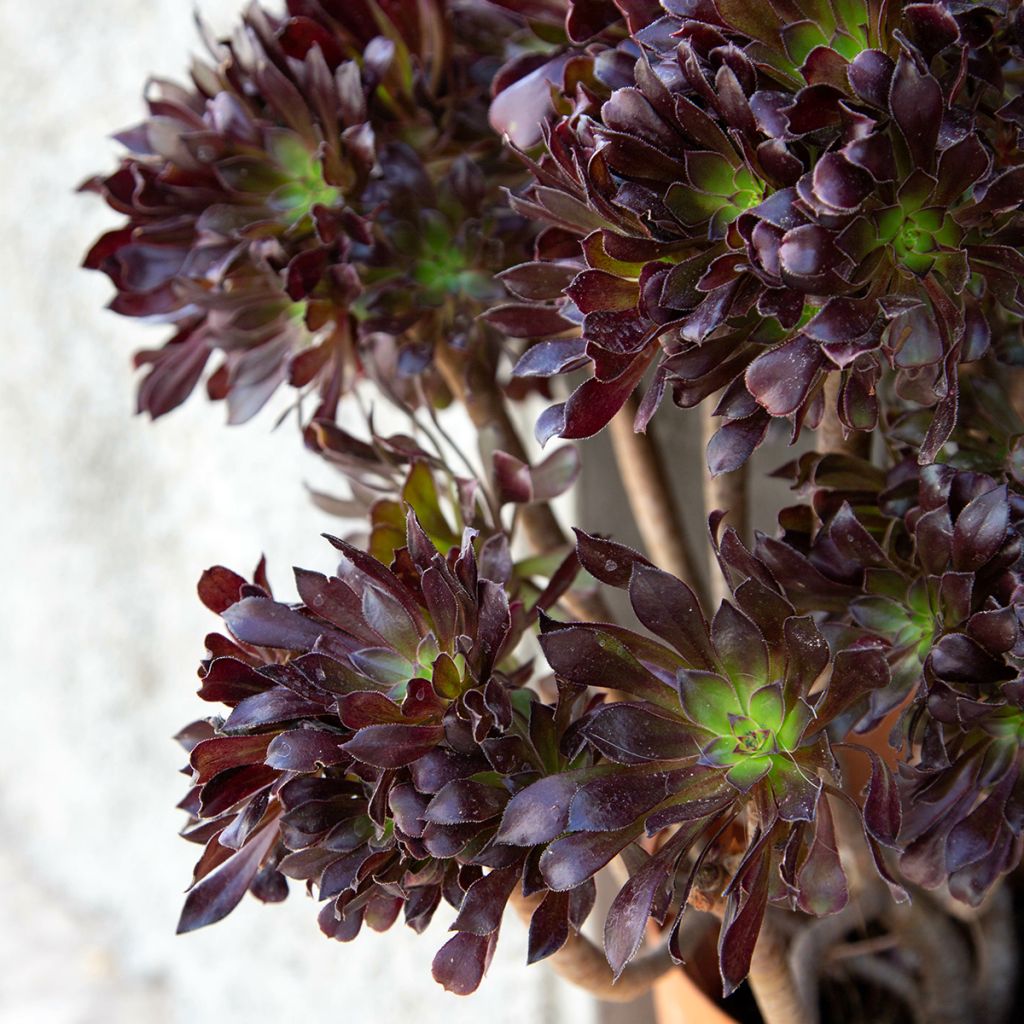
pixel 269 708
pixel 915 100
pixel 570 861
pixel 231 787
pixel 635 734
pixel 393 746
pixel 460 964
pixel 960 166
pixel 549 358
pixel 898 893
pixel 528 321
pixel 943 422
pixel 932 27
pixel 607 560
pixel 305 750
pixel 465 801
pixel 855 673
pixel 781 378
pixel 870 74
pixel 218 588
pixel 593 404
pixel 626 922
pixel 852 541
pixel 883 815
pixel 265 623
pixel 741 925
pixel 216 755
pixel 956 658
pixel 484 905
pixel 734 443
pixel 617 800
pixel 981 529
pixel 512 479
pixel 556 474
pixel 335 601
pixel 538 281
pixel 1002 193
pixel 218 894
pixel 839 183
pixel 808 656
pixel 228 681
pixel 670 609
pixel 821 880
pixel 538 813
pixel 549 926
pixel 368 707
pixel 597 290
pixel 340 927
pixel 607 656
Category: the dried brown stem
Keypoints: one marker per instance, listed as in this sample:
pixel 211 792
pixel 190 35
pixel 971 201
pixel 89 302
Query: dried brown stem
pixel 488 411
pixel 650 497
pixel 943 959
pixel 831 432
pixel 772 981
pixel 579 961
pixel 726 492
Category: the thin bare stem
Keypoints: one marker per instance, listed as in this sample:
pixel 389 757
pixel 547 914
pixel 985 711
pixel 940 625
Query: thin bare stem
pixel 487 409
pixel 726 492
pixel 580 962
pixel 832 436
pixel 650 497
pixel 772 981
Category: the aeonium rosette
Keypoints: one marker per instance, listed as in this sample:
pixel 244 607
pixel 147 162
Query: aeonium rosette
pixel 931 568
pixel 773 200
pixel 323 192
pixel 376 734
pixel 934 572
pixel 721 729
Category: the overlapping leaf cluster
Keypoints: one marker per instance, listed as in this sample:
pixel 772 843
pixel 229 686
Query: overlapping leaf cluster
pixel 806 207
pixel 322 198
pixel 930 565
pixel 375 736
pixel 780 192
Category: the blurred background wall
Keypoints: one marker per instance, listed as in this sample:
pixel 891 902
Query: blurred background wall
pixel 107 522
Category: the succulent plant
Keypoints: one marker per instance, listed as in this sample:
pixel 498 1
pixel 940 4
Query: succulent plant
pixel 781 193
pixel 323 192
pixel 376 734
pixel 801 210
pixel 724 718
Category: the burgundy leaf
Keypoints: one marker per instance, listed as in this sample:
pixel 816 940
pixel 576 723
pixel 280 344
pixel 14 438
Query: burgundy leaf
pixel 915 100
pixel 570 861
pixel 218 894
pixel 460 964
pixel 392 746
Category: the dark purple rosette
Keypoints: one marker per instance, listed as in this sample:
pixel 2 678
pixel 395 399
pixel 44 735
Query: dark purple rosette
pixel 779 195
pixel 721 740
pixel 323 198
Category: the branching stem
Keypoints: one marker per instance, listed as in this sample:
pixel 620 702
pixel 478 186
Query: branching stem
pixel 832 435
pixel 649 492
pixel 726 492
pixel 488 411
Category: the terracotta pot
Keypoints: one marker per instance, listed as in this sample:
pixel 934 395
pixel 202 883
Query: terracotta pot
pixel 678 999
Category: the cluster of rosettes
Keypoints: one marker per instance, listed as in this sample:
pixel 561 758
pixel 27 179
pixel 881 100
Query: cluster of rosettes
pixel 375 736
pixel 928 561
pixel 382 746
pixel 323 198
pixel 780 192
